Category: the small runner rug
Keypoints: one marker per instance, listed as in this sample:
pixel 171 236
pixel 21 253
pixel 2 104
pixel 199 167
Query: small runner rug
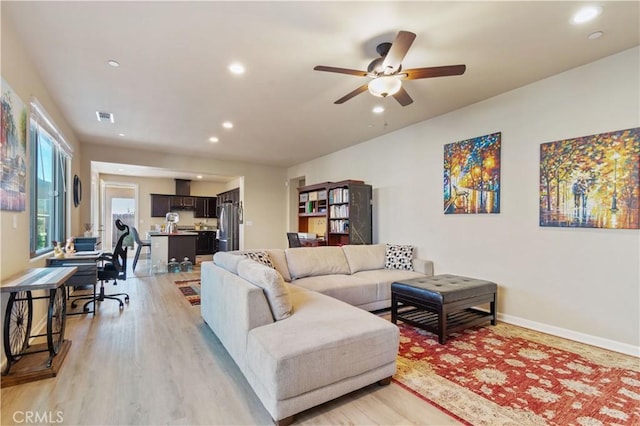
pixel 507 375
pixel 190 289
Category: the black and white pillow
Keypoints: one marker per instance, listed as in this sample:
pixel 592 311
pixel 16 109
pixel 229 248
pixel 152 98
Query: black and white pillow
pixel 260 257
pixel 399 257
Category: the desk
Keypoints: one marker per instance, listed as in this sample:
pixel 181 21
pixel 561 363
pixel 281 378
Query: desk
pixel 312 242
pixel 19 317
pixel 87 243
pixel 87 274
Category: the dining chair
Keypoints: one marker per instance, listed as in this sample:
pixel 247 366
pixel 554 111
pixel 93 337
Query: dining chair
pixel 294 239
pixel 141 244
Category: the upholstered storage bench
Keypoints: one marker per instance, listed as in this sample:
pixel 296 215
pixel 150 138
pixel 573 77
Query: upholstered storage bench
pixel 443 304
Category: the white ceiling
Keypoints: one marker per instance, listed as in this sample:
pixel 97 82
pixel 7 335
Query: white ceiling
pixel 173 90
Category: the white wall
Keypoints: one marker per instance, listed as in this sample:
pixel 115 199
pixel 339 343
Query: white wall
pixel 147 186
pixel 19 72
pixel 262 188
pixel 579 282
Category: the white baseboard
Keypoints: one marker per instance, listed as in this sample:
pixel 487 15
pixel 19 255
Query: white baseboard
pixel 611 345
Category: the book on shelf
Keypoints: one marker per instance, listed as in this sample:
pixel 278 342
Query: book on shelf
pixel 339 195
pixel 339 211
pixel 339 226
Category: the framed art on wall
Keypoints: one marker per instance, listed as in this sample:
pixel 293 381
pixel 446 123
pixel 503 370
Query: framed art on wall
pixel 472 175
pixel 13 149
pixel 591 181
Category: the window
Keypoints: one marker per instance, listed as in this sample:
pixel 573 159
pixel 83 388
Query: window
pixel 49 160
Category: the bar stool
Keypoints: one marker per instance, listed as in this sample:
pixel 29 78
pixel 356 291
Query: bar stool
pixel 140 243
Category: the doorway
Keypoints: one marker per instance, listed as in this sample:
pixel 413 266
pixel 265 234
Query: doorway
pixel 119 201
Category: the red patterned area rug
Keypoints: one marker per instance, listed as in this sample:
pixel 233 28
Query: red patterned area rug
pixel 190 289
pixel 507 375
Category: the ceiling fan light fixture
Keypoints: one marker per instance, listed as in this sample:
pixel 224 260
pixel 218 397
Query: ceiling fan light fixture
pixel 384 86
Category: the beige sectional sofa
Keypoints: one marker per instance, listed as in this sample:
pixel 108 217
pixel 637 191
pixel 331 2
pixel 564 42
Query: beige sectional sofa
pixel 291 321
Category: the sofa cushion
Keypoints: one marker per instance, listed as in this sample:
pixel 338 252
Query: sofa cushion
pixel 314 261
pixel 399 257
pixel 348 288
pixel 365 257
pixel 228 261
pixel 270 280
pixel 322 343
pixel 280 263
pixel 383 279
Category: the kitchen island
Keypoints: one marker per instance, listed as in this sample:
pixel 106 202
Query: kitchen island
pixel 167 246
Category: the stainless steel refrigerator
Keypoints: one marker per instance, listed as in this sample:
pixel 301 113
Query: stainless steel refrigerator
pixel 228 227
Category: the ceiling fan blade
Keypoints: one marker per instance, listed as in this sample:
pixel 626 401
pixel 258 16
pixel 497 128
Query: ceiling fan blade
pixel 398 50
pixel 350 95
pixel 403 97
pixel 416 73
pixel 341 70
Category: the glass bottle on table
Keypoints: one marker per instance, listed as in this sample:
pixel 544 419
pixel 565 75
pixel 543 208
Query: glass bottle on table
pixel 173 266
pixel 186 265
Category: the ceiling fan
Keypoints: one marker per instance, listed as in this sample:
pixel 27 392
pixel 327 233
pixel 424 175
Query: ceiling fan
pixel 386 71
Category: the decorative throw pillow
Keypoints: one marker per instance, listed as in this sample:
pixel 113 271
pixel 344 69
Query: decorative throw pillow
pixel 399 257
pixel 271 282
pixel 260 257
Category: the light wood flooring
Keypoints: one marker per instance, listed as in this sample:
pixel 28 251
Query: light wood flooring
pixel 157 363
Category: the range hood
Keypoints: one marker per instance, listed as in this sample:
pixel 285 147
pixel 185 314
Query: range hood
pixel 183 187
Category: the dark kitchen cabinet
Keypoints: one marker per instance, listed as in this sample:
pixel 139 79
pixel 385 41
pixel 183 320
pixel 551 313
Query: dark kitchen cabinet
pixel 160 205
pixel 205 207
pixel 183 202
pixel 205 242
pixel 182 245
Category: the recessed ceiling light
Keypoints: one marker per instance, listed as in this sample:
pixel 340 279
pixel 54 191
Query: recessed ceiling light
pixel 378 109
pixel 121 135
pixel 199 176
pixel 595 35
pixel 586 14
pixel 237 68
pixel 113 63
pixel 227 125
pixel 214 139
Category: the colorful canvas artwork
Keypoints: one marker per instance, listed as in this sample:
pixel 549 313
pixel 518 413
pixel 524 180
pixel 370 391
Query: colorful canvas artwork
pixel 472 175
pixel 591 181
pixel 13 149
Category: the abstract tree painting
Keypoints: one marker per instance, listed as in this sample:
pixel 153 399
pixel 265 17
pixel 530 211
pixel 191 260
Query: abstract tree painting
pixel 591 181
pixel 13 148
pixel 472 175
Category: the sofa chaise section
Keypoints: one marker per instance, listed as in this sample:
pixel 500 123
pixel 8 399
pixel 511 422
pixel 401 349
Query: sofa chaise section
pixel 324 349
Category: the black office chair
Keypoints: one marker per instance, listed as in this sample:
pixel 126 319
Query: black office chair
pixel 140 243
pixel 114 267
pixel 294 239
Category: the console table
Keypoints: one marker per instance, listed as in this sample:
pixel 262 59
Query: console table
pixel 18 321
